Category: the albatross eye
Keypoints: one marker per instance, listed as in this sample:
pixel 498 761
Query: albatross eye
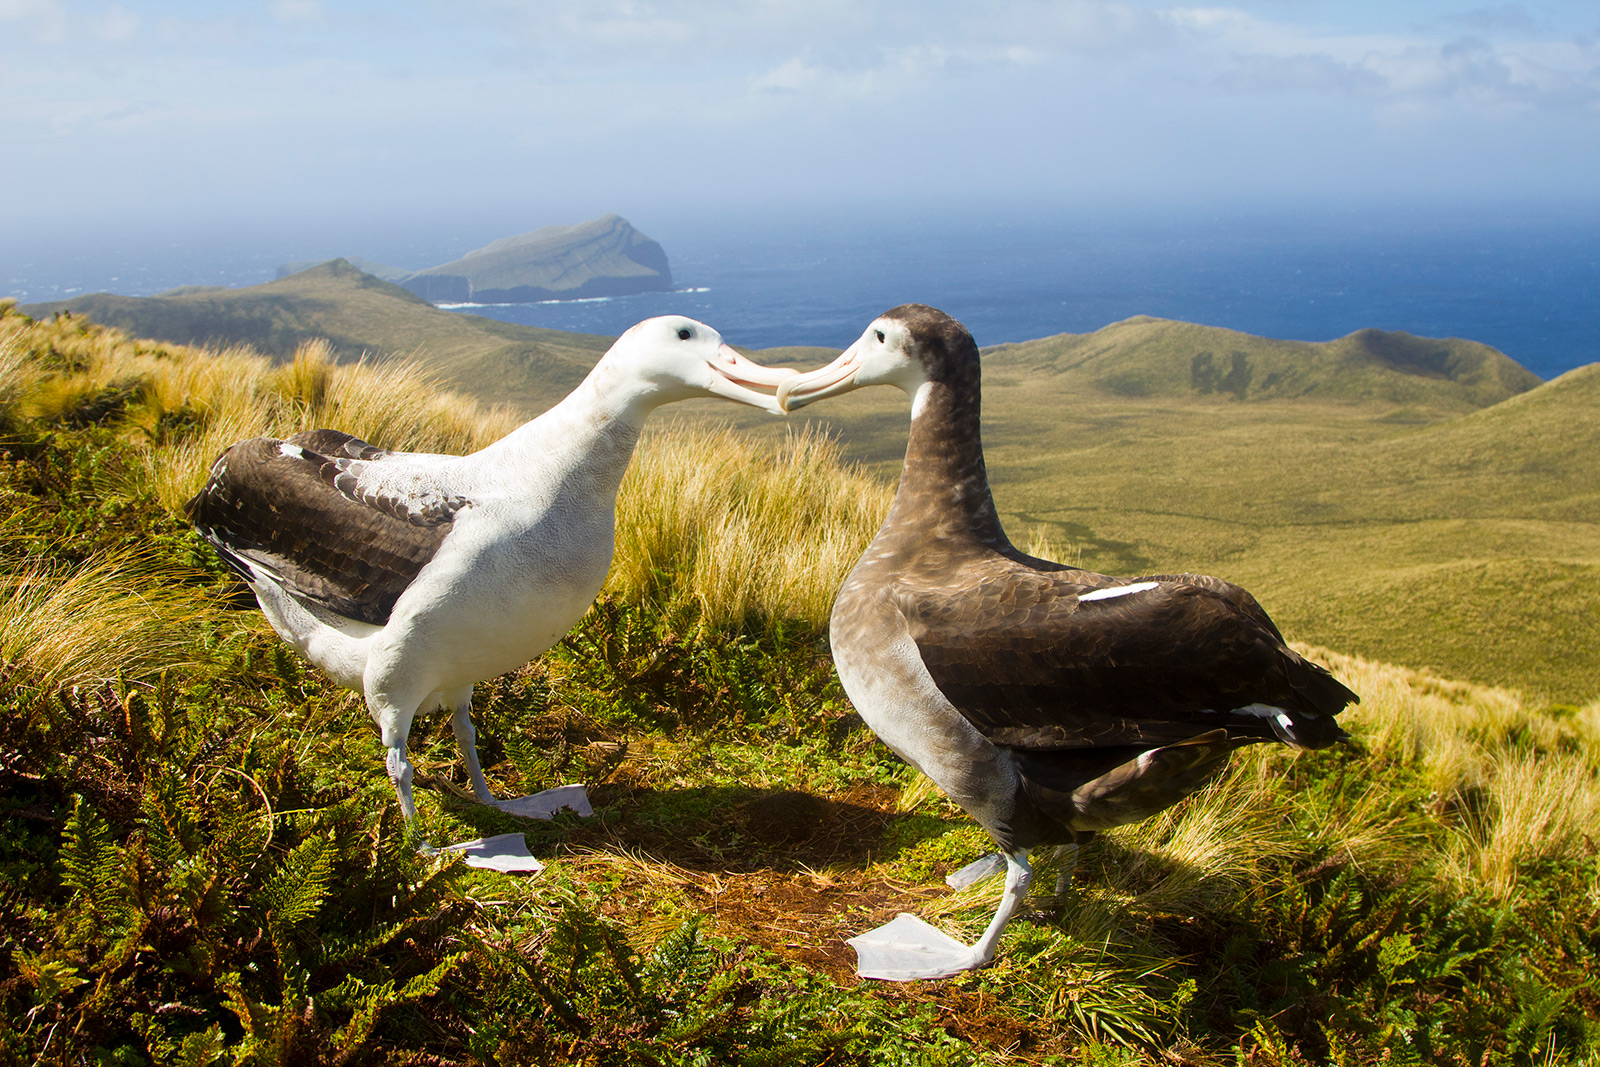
pixel 880 335
pixel 683 334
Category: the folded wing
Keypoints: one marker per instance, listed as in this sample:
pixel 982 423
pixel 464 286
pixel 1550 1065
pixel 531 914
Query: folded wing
pixel 309 512
pixel 1059 660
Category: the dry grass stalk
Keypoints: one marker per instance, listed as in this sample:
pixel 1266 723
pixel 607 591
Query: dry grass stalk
pixel 1526 782
pixel 755 532
pixel 14 376
pixel 113 616
pixel 1198 854
pixel 1539 808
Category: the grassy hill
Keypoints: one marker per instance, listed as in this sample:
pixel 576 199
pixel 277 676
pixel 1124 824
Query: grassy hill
pixel 1423 502
pixel 359 315
pixel 1412 377
pixel 203 861
pixel 1148 357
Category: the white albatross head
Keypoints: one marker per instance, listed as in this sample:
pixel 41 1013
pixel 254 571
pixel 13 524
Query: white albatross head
pixel 676 358
pixel 884 354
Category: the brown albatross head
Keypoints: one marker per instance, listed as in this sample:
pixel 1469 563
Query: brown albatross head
pixel 905 347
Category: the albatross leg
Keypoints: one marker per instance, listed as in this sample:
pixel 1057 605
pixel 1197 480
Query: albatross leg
pixel 467 740
pixel 393 714
pixel 400 773
pixel 907 948
pixel 1067 856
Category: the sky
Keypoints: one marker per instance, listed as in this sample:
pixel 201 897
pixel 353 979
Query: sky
pixel 323 113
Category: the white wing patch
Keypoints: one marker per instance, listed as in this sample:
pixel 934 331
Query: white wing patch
pixel 1119 590
pixel 1261 711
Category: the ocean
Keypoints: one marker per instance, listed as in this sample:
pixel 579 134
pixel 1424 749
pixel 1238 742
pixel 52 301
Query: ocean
pixel 1527 284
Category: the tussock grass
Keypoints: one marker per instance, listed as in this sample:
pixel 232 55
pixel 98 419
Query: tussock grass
pixel 1537 809
pixel 1208 852
pixel 234 395
pixel 13 375
pixel 187 404
pixel 1303 908
pixel 117 615
pixel 749 532
pixel 1520 783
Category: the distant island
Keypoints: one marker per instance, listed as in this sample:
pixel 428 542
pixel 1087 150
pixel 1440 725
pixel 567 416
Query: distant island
pixel 604 257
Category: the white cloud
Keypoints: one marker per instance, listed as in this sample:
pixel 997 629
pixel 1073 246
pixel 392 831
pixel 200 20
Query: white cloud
pixel 1466 75
pixel 1043 91
pixel 21 10
pixel 1319 73
pixel 116 23
pixel 43 21
pixel 299 12
pixel 1509 17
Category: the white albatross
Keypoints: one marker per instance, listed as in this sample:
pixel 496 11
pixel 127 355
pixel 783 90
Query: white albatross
pixel 408 577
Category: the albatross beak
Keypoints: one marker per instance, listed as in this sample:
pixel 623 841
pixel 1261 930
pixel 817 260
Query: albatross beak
pixel 747 381
pixel 836 377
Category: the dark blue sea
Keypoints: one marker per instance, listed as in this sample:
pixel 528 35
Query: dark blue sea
pixel 1527 283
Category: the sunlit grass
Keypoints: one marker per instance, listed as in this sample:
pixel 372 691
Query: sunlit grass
pixel 1180 926
pixel 14 376
pixel 1519 784
pixel 1204 853
pixel 116 615
pixel 748 531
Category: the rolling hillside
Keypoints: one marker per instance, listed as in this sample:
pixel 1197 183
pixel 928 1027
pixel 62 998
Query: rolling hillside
pixel 204 861
pixel 1148 357
pixel 1425 502
pixel 360 315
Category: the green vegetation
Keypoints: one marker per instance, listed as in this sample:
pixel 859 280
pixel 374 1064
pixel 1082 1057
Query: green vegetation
pixel 204 863
pixel 1421 502
pixel 358 315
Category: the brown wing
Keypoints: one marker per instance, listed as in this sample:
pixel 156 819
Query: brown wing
pixel 295 512
pixel 1033 666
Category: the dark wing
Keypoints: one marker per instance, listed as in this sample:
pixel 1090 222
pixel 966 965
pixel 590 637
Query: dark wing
pixel 294 509
pixel 336 444
pixel 1034 666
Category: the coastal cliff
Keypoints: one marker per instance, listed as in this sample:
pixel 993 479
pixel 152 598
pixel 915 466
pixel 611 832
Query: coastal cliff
pixel 605 257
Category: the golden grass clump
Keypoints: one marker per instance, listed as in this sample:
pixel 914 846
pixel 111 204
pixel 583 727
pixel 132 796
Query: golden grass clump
pixel 115 615
pixel 399 405
pixel 187 404
pixel 1519 783
pixel 1538 808
pixel 14 378
pixel 236 395
pixel 1209 848
pixel 1041 545
pixel 752 531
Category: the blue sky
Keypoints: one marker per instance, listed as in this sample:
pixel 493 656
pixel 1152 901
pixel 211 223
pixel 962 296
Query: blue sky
pixel 543 112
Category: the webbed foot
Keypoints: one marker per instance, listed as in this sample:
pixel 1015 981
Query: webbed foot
pixel 544 805
pixel 507 853
pixel 906 949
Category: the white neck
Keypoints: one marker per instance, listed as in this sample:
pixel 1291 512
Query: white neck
pixel 595 427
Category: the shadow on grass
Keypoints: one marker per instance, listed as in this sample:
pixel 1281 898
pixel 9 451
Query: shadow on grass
pixel 738 829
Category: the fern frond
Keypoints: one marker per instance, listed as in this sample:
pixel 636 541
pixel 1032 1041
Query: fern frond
pixel 369 1001
pixel 91 864
pixel 297 889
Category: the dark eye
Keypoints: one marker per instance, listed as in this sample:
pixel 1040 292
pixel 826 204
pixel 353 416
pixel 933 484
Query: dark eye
pixel 880 335
pixel 683 335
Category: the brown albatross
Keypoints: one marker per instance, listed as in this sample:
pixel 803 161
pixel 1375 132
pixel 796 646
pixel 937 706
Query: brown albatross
pixel 408 577
pixel 1050 702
